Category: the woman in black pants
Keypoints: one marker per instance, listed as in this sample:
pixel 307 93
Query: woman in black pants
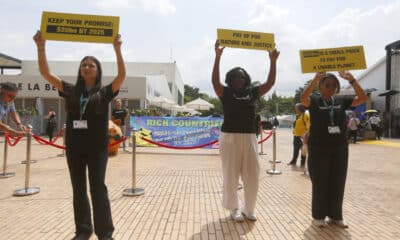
pixel 87 137
pixel 327 144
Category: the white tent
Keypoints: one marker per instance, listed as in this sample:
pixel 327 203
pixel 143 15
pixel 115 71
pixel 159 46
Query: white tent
pixel 199 104
pixel 162 102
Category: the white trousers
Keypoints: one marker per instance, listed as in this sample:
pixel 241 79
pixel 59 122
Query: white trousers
pixel 239 159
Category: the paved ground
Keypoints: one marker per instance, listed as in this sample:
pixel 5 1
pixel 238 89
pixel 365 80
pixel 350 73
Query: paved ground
pixel 183 196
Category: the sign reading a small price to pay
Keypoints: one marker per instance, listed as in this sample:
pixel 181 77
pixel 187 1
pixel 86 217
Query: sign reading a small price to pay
pixel 79 27
pixel 332 59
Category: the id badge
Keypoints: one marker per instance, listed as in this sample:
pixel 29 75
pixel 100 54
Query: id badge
pixel 80 124
pixel 334 130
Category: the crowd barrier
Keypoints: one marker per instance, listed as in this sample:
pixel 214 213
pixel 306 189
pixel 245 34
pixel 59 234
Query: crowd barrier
pixel 11 141
pixel 274 171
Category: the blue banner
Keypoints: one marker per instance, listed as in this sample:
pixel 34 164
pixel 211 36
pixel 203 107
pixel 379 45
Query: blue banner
pixel 177 131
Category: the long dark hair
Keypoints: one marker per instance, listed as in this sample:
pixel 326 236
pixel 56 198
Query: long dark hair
pixel 237 72
pixel 72 104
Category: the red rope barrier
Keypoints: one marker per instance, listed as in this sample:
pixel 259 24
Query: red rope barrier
pixel 59 134
pixel 9 137
pixel 266 138
pixel 178 148
pixel 45 142
pixel 42 141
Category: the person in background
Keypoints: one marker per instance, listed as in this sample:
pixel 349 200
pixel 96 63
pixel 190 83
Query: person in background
pixel 300 128
pixel 353 125
pixel 375 122
pixel 328 145
pixel 238 141
pixel 51 123
pixel 275 122
pixel 87 103
pixel 120 117
pixel 8 93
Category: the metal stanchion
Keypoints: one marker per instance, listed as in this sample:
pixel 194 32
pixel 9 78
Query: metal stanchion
pixel 27 190
pixel 131 192
pixel 274 171
pixel 262 144
pixel 62 154
pixel 274 147
pixel 5 174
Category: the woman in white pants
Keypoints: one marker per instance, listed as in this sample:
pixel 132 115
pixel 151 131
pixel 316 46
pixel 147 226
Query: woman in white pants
pixel 238 142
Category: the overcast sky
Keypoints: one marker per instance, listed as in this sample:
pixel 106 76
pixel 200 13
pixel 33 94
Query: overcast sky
pixel 185 31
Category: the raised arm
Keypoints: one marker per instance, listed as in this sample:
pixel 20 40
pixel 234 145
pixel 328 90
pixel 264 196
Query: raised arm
pixel 218 87
pixel 43 65
pixel 119 79
pixel 305 96
pixel 361 97
pixel 269 83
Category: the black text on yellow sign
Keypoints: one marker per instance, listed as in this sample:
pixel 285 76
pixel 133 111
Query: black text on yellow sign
pixel 245 39
pixel 332 59
pixel 79 27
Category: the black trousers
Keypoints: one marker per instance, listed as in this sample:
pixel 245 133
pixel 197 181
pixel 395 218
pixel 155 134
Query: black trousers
pixel 377 130
pixel 328 171
pixel 50 132
pixel 297 145
pixel 96 163
pixel 353 135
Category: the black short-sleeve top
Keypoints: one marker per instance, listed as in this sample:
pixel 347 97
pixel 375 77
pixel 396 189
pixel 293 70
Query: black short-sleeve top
pixel 96 134
pixel 239 110
pixel 320 118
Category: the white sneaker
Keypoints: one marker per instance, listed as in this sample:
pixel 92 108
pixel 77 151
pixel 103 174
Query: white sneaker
pixel 251 216
pixel 339 223
pixel 237 215
pixel 319 223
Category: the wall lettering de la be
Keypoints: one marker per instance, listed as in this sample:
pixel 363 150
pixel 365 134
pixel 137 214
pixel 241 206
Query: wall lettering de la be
pixel 35 87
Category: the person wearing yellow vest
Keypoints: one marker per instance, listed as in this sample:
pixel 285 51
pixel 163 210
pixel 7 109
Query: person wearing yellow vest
pixel 300 129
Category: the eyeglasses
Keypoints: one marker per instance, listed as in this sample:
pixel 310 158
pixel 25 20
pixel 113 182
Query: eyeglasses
pixel 11 96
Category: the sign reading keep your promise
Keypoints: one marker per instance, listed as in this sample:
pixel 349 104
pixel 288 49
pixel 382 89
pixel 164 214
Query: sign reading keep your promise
pixel 245 39
pixel 332 59
pixel 79 27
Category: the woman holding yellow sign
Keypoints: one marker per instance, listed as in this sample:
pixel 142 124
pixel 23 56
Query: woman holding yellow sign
pixel 327 144
pixel 238 141
pixel 87 137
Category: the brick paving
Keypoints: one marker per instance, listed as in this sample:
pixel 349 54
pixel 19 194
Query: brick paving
pixel 183 196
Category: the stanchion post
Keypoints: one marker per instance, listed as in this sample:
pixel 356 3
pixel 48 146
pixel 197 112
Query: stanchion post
pixel 27 190
pixel 274 171
pixel 28 144
pixel 131 192
pixel 5 174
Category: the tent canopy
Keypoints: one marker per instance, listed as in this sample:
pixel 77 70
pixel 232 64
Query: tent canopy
pixel 199 104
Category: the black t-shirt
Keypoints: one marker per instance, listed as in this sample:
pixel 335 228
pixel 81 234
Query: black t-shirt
pixel 239 111
pixel 120 114
pixel 96 135
pixel 320 120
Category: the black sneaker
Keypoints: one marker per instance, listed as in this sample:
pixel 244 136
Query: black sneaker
pixel 82 236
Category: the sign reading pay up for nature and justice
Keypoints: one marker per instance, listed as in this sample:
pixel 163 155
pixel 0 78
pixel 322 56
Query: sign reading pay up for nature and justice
pixel 332 59
pixel 245 39
pixel 79 27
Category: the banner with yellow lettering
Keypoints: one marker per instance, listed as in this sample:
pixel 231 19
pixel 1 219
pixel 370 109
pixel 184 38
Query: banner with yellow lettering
pixel 332 59
pixel 177 131
pixel 79 27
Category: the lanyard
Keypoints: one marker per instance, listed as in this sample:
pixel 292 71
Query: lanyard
pixel 331 112
pixel 84 101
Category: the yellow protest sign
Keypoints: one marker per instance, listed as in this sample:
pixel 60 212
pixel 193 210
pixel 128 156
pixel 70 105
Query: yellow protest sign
pixel 245 39
pixel 79 27
pixel 332 59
